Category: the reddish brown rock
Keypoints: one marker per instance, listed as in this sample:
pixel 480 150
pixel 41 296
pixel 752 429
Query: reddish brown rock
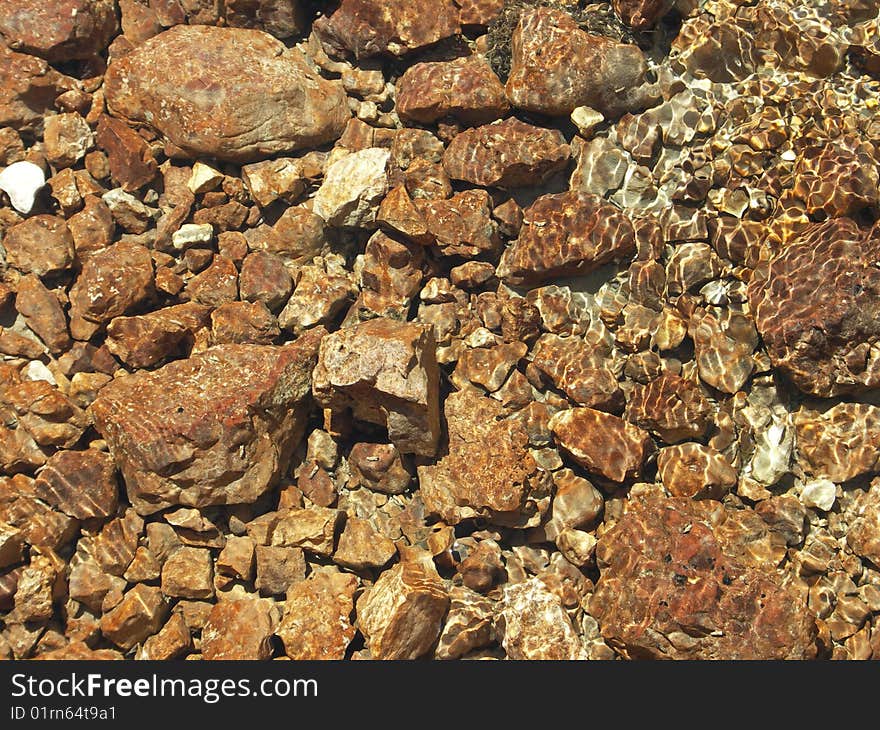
pixel 391 275
pixel 506 154
pixel 556 67
pixel 28 88
pixel 815 306
pixel 268 181
pixel 58 30
pixel 66 139
pixel 696 471
pixel 115 546
pixel 140 614
pixel 461 225
pixel 112 282
pixel 92 228
pixel 466 88
pixel 40 245
pixel 243 323
pixel 379 467
pixel 43 313
pixel 147 339
pixel 240 629
pixel 471 481
pixel 79 651
pixel 360 546
pixel 188 573
pixel 576 504
pixel 678 580
pixel 267 98
pixel 313 529
pixel 265 279
pixel 837 179
pixel 81 484
pixel 172 640
pixel 566 234
pixel 317 616
pixel 724 341
pixel 488 367
pixel 213 429
pixel 41 410
pixel 277 568
pixel 840 443
pixel 672 408
pixel 641 14
pixel 386 373
pixel 216 285
pixel 401 615
pixel 131 161
pixel 601 443
pixel 372 27
pixel 39 524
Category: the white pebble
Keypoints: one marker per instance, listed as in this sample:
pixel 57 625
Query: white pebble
pixel 204 178
pixel 35 370
pixel 21 181
pixel 819 494
pixel 190 234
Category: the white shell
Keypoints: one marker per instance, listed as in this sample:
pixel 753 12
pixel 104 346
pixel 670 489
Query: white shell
pixel 21 181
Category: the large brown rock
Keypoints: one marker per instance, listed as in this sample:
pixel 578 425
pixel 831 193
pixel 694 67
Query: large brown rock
pixel 372 27
pixel 386 373
pixel 684 579
pixel 214 429
pixel 40 245
pixel 230 93
pixel 566 234
pixel 58 30
pixel 817 308
pixel 557 67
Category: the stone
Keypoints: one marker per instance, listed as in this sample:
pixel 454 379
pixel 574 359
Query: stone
pixel 391 275
pixel 841 443
pixel 557 67
pixel 533 624
pixel 92 228
pixel 465 88
pixel 172 640
pixel 368 28
pixel 268 99
pixel 352 189
pixel 488 367
pixel 11 545
pixel 281 18
pixel 21 181
pixel 39 245
pixel 402 613
pixel 78 650
pixel 460 225
pixel 819 494
pixel 641 14
pixel 468 625
pixel 213 429
pixel 576 503
pixel 566 234
pixel 361 547
pixel 313 529
pixel 378 467
pixel 147 339
pixel 506 154
pixel 670 407
pixel 66 138
pixel 238 630
pixel 243 323
pixel 320 292
pixel 203 178
pixel 264 278
pixel 723 342
pixel 128 211
pixel 236 559
pixel 696 471
pixel 471 481
pixel 81 484
pixel 678 580
pixel 28 88
pixel 115 546
pixel 271 180
pixel 42 313
pixel 277 568
pixel 862 536
pixel 316 624
pixel 386 373
pixel 188 573
pixel 139 615
pixel 216 285
pixel 192 234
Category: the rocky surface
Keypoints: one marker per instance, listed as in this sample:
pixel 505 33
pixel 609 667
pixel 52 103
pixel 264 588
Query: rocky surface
pixel 461 329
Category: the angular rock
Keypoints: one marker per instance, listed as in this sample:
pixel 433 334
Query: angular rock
pixel 678 580
pixel 603 444
pixel 402 613
pixel 461 225
pixel 268 181
pixel 468 624
pixel 42 312
pixel 840 443
pixel 352 189
pixel 243 323
pixel 67 138
pixel 378 467
pixel 672 408
pixel 576 504
pixel 188 573
pixel 216 285
pixel 696 471
pixel 264 278
pixel 11 545
pixel 172 640
pixel 360 546
pixel 214 429
pixel 506 154
pixel 28 88
pixel 140 614
pixel 724 341
pixel 81 484
pixel 566 234
pixel 317 616
pixel 238 630
pixel 265 98
pixel 92 228
pixel 312 529
pixel 488 367
pixel 131 161
pixel 386 373
pixel 320 293
pixel 641 14
pixel 146 339
pixel 236 559
pixel 278 568
pixel 40 245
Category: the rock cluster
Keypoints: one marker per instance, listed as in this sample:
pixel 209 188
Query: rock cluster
pixel 451 329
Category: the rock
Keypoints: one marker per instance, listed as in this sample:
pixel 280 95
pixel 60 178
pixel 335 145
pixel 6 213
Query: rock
pixel 724 342
pixel 488 367
pixel 11 545
pixel 841 443
pixel 216 285
pixel 471 481
pixel 264 278
pixel 77 650
pixel 386 373
pixel 243 322
pixel 320 293
pixel 268 99
pixel 81 484
pixel 566 234
pixel 28 88
pixel 188 573
pixel 129 212
pixel 140 614
pixel 465 88
pixel 39 524
pixel 236 559
pixel 461 225
pixel 281 18
pixel 556 67
pixel 67 138
pixel 147 339
pixel 468 624
pixel 862 536
pixel 603 444
pixel 836 179
pixel 696 471
pixel 42 312
pixel 814 309
pixel 819 494
pixel 21 181
pixel 92 228
pixel 641 14
pixel 670 407
pixel 279 179
pixel 203 179
pixel 312 529
pixel 192 234
pixel 40 245
pixel 111 283
pixel 401 615
pixel 115 546
pixel 372 27
pixel 59 30
pixel 352 189
pixel 360 546
pixel 483 567
pixel 172 640
pixel 238 630
pixel 317 616
pixel 506 154
pixel 213 429
pixel 678 580
pixel 131 161
pixel 534 624
pixel 278 568
pixel 576 504
pixel 378 467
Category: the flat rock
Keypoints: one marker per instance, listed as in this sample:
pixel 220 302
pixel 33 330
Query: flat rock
pixel 188 573
pixel 360 546
pixel 41 245
pixel 213 429
pixel 81 484
pixel 265 99
pixel 131 161
pixel 43 313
